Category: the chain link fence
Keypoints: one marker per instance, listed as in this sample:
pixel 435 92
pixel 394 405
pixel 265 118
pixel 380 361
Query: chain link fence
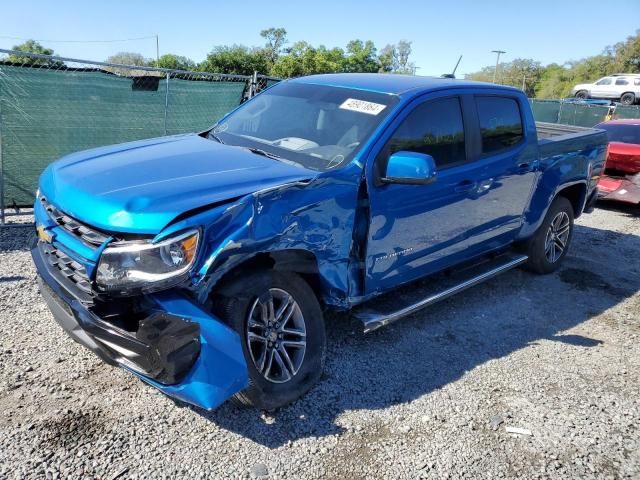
pixel 52 106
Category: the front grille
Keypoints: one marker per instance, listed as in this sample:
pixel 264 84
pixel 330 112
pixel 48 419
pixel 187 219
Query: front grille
pixel 89 236
pixel 69 273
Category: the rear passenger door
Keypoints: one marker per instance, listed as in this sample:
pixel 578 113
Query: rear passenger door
pixel 621 85
pixel 508 142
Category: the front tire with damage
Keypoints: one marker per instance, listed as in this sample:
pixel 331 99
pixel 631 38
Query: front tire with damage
pixel 281 327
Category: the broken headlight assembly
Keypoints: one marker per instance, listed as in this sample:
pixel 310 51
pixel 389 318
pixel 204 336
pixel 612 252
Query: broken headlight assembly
pixel 129 267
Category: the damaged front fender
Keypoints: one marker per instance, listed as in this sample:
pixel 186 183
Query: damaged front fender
pixel 315 216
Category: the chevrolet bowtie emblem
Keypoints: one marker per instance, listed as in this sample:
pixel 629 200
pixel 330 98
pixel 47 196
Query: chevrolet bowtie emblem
pixel 43 234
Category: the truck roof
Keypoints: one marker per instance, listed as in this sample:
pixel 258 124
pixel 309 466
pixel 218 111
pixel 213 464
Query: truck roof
pixel 391 83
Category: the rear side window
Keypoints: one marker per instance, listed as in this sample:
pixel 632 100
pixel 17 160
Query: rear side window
pixel 434 128
pixel 621 81
pixel 636 81
pixel 500 123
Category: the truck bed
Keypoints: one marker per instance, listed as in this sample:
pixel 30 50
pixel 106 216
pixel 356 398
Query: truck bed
pixel 557 139
pixel 551 130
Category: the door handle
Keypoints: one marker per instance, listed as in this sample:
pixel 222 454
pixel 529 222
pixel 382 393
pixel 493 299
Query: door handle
pixel 465 186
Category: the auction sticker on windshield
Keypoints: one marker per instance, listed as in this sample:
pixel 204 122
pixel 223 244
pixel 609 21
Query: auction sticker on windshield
pixel 362 106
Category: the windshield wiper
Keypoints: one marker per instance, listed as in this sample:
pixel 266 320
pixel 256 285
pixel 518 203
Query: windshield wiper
pixel 215 137
pixel 264 153
pixel 259 151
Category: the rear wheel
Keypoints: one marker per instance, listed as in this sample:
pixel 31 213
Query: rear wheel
pixel 628 98
pixel 548 247
pixel 281 327
pixel 582 94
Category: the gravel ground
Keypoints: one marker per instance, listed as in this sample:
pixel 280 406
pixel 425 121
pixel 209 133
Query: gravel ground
pixel 433 396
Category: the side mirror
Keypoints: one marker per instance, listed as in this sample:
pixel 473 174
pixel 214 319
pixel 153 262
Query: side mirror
pixel 410 168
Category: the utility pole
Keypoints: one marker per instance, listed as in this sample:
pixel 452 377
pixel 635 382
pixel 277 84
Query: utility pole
pixel 495 72
pixel 157 52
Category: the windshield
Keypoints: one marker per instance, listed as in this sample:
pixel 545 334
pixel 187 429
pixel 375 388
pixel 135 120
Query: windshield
pixel 621 133
pixel 315 126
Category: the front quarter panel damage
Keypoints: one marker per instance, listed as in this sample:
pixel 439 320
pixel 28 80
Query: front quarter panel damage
pixel 316 216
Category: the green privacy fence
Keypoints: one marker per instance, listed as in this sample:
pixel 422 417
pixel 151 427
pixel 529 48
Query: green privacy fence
pixel 627 112
pixel 545 110
pixel 51 106
pixel 581 114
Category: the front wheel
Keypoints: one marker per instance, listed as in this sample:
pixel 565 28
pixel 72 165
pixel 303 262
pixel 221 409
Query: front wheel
pixel 583 94
pixel 548 247
pixel 281 327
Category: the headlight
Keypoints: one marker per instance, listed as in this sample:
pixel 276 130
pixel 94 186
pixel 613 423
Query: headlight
pixel 144 265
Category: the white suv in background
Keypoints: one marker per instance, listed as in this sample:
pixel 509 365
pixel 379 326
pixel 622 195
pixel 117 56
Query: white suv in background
pixel 623 86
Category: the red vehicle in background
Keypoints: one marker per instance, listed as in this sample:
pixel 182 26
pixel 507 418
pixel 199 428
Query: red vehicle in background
pixel 621 180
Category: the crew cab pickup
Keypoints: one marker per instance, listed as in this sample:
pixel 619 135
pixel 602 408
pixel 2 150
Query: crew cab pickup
pixel 203 263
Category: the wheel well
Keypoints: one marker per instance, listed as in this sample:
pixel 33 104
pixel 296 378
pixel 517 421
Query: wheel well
pixel 576 195
pixel 302 262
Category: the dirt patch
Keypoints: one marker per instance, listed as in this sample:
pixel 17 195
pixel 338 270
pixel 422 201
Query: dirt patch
pixel 584 280
pixel 72 428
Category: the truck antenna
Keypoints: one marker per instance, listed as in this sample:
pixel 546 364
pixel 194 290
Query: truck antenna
pixel 453 74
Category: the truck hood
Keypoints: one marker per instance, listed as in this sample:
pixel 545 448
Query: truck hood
pixel 139 187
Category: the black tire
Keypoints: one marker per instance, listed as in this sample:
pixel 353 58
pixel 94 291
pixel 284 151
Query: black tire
pixel 235 301
pixel 582 94
pixel 541 260
pixel 628 98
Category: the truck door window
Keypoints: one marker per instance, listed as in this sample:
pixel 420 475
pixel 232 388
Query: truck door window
pixel 604 81
pixel 434 128
pixel 621 81
pixel 500 123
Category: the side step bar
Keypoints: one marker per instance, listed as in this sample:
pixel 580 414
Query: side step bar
pixel 433 290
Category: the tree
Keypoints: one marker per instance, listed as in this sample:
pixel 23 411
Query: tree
pixel 276 39
pixel 31 46
pixel 627 55
pixel 304 59
pixel 235 59
pixel 361 57
pixel 403 51
pixel 387 59
pixel 555 82
pixel 175 62
pixel 395 59
pixel 128 58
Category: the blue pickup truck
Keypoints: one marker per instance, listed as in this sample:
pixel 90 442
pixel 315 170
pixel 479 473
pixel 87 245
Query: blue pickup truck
pixel 203 263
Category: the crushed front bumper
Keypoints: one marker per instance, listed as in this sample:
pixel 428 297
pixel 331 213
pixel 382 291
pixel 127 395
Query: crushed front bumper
pixel 174 344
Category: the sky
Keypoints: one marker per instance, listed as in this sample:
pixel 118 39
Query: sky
pixel 545 30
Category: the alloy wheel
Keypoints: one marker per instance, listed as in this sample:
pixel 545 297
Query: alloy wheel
pixel 557 237
pixel 276 335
